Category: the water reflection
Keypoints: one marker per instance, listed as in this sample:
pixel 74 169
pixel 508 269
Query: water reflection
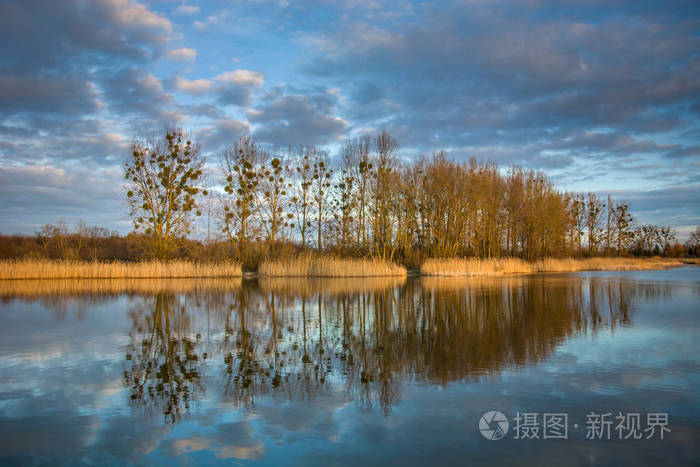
pixel 165 364
pixel 336 371
pixel 295 340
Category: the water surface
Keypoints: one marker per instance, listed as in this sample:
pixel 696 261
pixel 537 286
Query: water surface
pixel 371 371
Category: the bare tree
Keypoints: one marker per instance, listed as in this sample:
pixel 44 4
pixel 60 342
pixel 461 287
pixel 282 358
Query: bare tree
pixel 320 188
pixel 608 225
pixel 302 173
pixel 344 204
pixel 578 214
pixel 666 236
pixel 383 195
pixel 272 194
pixel 164 179
pixel 356 157
pixel 622 221
pixel 238 166
pixel 594 207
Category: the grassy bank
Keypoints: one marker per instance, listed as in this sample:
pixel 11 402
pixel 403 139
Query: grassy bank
pixel 328 266
pixel 455 267
pixel 321 266
pixel 45 269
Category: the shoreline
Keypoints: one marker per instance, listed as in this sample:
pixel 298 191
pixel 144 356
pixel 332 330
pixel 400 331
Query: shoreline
pixel 330 267
pixel 472 267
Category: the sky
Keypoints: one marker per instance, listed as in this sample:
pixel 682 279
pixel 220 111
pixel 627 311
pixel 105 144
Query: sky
pixel 603 96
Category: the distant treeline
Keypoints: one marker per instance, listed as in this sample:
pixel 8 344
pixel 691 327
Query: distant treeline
pixel 92 243
pixel 366 202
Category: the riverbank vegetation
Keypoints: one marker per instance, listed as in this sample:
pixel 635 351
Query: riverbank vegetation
pixel 328 266
pixel 369 201
pixel 298 211
pixel 456 267
pixel 63 269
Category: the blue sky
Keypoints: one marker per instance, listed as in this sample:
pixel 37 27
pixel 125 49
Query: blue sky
pixel 602 95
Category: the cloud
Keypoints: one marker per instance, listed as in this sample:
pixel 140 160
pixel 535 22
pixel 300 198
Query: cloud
pixel 204 26
pixel 242 78
pixel 61 69
pixel 204 109
pixel 132 91
pixel 136 19
pixel 223 133
pixel 197 86
pixel 187 10
pixel 230 88
pixel 471 75
pixel 35 195
pixel 297 118
pixel 234 95
pixel 183 54
pixel 49 60
pixel 675 205
pixel 228 441
pixel 236 87
pixel 582 91
pixel 682 153
pixel 47 94
pixel 75 33
pixel 72 82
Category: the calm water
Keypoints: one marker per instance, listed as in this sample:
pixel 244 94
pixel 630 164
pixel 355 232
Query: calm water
pixel 380 371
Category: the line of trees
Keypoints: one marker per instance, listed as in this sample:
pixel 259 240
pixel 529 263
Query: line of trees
pixel 367 201
pixel 371 202
pixel 92 243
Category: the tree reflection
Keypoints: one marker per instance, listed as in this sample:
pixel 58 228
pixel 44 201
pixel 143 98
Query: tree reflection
pixel 165 366
pixel 298 343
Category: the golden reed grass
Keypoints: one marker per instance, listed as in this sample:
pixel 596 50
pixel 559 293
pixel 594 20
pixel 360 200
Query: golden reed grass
pixel 45 269
pixel 76 287
pixel 329 266
pixel 453 267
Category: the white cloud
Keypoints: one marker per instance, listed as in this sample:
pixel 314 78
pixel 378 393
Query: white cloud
pixel 203 26
pixel 242 78
pixel 182 55
pixel 187 10
pixel 135 16
pixel 197 86
pixel 223 132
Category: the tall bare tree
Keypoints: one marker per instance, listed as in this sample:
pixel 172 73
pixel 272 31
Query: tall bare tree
pixel 241 184
pixel 344 204
pixel 272 194
pixel 356 157
pixel 302 175
pixel 622 221
pixel 383 191
pixel 594 207
pixel 320 189
pixel 609 208
pixel 164 182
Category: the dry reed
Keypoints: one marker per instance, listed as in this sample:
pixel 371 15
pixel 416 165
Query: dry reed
pixel 453 267
pixel 45 269
pixel 328 266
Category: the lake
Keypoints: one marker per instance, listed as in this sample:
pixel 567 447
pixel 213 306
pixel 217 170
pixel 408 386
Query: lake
pixel 599 368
